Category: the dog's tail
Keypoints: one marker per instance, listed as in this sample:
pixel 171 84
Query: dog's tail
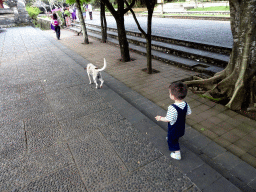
pixel 104 67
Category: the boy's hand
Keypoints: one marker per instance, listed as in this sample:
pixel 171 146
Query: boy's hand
pixel 158 118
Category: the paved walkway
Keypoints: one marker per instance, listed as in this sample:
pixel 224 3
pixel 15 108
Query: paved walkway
pixel 58 133
pixel 221 137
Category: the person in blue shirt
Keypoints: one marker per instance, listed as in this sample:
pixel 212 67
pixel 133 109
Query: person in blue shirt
pixel 176 117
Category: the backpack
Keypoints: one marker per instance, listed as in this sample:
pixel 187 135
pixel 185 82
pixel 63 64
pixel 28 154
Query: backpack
pixel 55 22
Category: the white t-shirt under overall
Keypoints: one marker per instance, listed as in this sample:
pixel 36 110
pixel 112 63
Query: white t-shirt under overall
pixel 172 113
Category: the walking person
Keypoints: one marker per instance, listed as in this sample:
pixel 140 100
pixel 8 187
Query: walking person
pixel 56 22
pixel 64 18
pixel 90 11
pixel 84 11
pixel 176 117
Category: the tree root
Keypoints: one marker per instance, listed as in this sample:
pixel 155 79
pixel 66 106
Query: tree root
pixel 207 84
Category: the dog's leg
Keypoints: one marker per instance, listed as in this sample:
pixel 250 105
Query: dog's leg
pixel 89 76
pixel 95 81
pixel 102 81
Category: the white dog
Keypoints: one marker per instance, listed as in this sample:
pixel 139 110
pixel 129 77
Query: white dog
pixel 93 71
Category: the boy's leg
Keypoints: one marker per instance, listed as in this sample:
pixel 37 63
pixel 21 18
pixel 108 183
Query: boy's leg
pixel 174 146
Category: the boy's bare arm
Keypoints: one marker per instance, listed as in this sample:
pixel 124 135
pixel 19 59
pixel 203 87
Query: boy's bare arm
pixel 160 118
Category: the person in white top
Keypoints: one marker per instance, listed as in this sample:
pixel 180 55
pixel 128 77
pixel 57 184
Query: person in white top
pixel 176 117
pixel 90 10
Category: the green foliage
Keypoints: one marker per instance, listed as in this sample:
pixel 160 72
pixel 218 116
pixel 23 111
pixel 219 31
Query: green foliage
pixel 74 1
pixel 217 8
pixel 33 12
pixel 67 13
pixel 82 9
pixel 60 17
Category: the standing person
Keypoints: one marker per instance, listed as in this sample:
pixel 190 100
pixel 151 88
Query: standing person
pixel 176 117
pixel 64 18
pixel 90 10
pixel 74 14
pixel 56 22
pixel 67 16
pixel 84 11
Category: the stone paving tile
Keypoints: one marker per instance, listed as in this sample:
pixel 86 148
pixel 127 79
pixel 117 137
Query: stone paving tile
pixel 232 138
pixel 134 149
pixel 12 140
pixel 98 163
pixel 66 112
pixel 252 151
pixel 77 127
pixel 45 137
pixel 155 176
pixel 20 171
pixel 66 179
pixel 221 141
pixel 220 129
pixel 84 125
pixel 205 174
pixel 61 97
pixel 31 88
pixel 243 144
pixel 9 93
pixel 221 184
pixel 84 93
pixel 236 150
pixel 248 158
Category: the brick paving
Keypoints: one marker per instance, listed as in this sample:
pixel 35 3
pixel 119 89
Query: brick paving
pixel 233 131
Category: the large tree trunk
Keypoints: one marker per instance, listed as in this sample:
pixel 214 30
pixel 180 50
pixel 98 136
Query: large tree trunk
pixel 150 8
pixel 235 82
pixel 119 17
pixel 123 43
pixel 148 38
pixel 81 19
pixel 103 22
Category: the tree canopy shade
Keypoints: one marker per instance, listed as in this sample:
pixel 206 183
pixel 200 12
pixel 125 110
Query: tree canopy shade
pixel 237 82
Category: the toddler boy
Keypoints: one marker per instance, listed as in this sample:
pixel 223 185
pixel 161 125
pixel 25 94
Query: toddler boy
pixel 176 117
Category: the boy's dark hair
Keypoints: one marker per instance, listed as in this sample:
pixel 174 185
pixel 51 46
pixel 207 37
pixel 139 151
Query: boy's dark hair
pixel 178 90
pixel 54 16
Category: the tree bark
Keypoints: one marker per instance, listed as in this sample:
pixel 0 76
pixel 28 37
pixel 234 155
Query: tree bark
pixel 103 22
pixel 81 19
pixel 150 7
pixel 148 38
pixel 123 43
pixel 236 81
